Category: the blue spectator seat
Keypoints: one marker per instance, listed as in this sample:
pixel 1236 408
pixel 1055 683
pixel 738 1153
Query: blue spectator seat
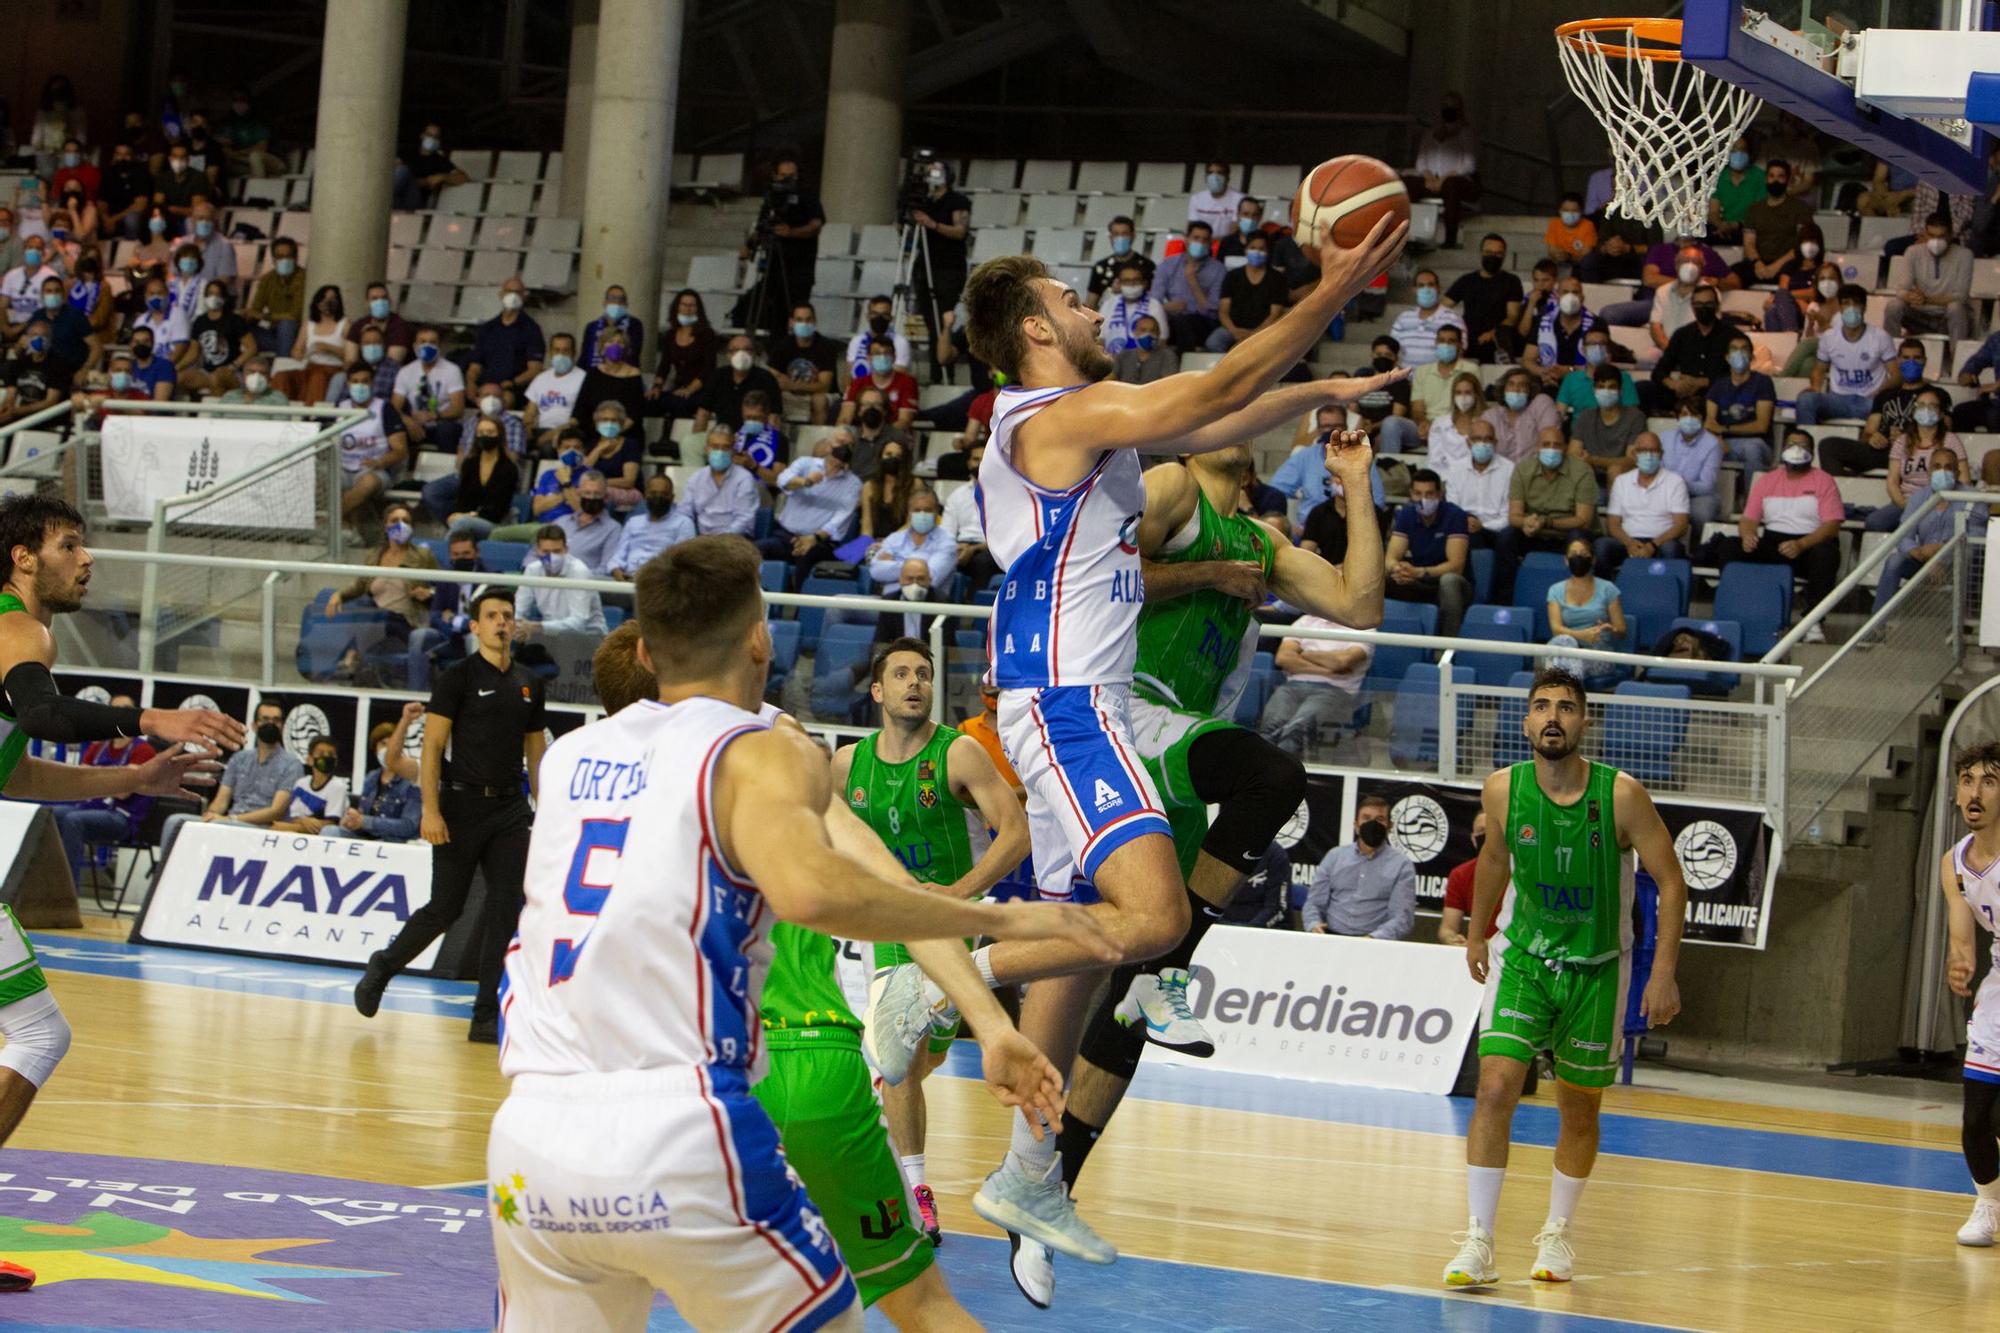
pixel 1759 598
pixel 840 649
pixel 1704 682
pixel 813 619
pixel 1651 604
pixel 1642 740
pixel 1510 740
pixel 1413 733
pixel 1497 624
pixel 1263 678
pixel 784 654
pixel 614 616
pixel 1409 617
pixel 1479 565
pixel 498 557
pixel 1538 570
pixel 774 576
pixel 1680 571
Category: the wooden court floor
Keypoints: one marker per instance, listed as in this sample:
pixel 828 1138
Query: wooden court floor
pixel 1724 1235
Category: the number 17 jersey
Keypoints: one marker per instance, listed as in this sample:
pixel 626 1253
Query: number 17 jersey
pixel 639 946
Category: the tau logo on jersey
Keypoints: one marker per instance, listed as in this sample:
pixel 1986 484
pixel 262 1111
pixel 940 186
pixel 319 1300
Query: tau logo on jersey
pixel 1418 826
pixel 1707 853
pixel 1107 797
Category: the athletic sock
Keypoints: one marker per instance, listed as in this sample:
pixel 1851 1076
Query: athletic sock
pixel 1564 1191
pixel 982 958
pixel 1990 1191
pixel 1482 1191
pixel 1074 1144
pixel 913 1169
pixel 1032 1157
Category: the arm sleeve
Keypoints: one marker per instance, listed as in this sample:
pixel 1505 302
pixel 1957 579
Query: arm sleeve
pixel 45 713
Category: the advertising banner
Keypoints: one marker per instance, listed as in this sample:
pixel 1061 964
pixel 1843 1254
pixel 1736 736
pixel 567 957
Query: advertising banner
pixel 151 458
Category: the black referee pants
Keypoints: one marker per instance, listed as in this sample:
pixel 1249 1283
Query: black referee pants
pixel 488 833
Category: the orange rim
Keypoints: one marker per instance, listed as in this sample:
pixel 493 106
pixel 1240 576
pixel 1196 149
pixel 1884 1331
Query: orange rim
pixel 1666 31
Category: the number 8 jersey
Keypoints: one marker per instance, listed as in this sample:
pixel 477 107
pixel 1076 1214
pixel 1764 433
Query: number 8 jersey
pixel 639 946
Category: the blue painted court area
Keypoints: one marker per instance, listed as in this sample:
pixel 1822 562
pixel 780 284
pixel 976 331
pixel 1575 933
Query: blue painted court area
pixel 1623 1135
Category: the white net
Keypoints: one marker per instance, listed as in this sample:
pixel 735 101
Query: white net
pixel 1670 125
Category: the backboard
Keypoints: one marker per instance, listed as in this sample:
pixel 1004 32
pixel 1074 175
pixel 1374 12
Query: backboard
pixel 1915 82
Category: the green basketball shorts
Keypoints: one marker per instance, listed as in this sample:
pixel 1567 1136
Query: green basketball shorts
pixel 1574 1011
pixel 20 973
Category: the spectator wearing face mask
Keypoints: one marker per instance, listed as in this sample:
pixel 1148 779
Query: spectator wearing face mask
pixel 481 496
pixel 421 174
pixel 615 380
pixel 1123 305
pixel 1252 296
pixel 1365 887
pixel 1556 346
pixel 178 186
pixel 884 380
pixel 1417 328
pixel 1447 166
pixel 1944 471
pixel 375 355
pixel 822 497
pixel 1739 406
pixel 125 194
pixel 1150 357
pixel 1214 205
pixel 1923 436
pixel 552 395
pixel 430 392
pixel 373 451
pixel 509 347
pixel 1601 434
pixel 806 364
pixel 1431 384
pixel 1521 416
pixel 1584 611
pixel 1980 412
pixel 1121 250
pixel 218 347
pixel 1482 486
pixel 722 400
pixel 389 807
pixel 1553 498
pixel 687 360
pixel 319 798
pixel 1578 390
pixel 1939 297
pixel 1649 513
pixel 71 166
pixel 1570 235
pixel 919 539
pixel 659 524
pixel 1189 287
pixel 21 288
pixel 876 333
pixel 1696 356
pixel 885 496
pixel 1385 412
pixel 217 256
pixel 1303 475
pixel 1894 401
pixel 407 599
pixel 617 315
pixel 1446 434
pixel 325 347
pixel 278 302
pixel 761 448
pixel 380 315
pixel 591 533
pixel 1792 518
pixel 256 385
pixel 488 405
pixel 874 432
pixel 1489 300
pixel 1772 226
pixel 1851 365
pixel 118 383
pixel 723 497
pixel 71 335
pixel 445 640
pixel 150 370
pixel 1737 189
pixel 1429 547
pixel 540 613
pixel 89 297
pixel 34 377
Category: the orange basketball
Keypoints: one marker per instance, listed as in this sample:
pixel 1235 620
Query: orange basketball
pixel 1348 195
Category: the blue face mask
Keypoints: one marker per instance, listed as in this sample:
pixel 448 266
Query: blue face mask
pixel 72 159
pixel 1244 226
pixel 1482 452
pixel 52 300
pixel 1516 400
pixel 31 258
pixel 379 308
pixel 1739 361
pixel 427 353
pixel 883 366
pixel 1570 217
pixel 687 321
pixel 1121 245
pixel 121 380
pixel 804 329
pixel 1912 370
pixel 156 225
pixel 1146 342
pixel 38 344
pixel 428 143
pixel 156 304
pixel 1256 258
pixel 1738 160
pixel 1594 354
pixel 1197 249
pixel 1689 427
pixel 552 563
pixel 1943 480
pixel 1606 398
pixel 398 533
pixel 613 311
pixel 360 392
pixel 718 460
pixel 1447 353
pixel 1852 315
pixel 1216 180
pixel 371 353
pixel 286 267
pixel 1550 458
pixel 562 363
pixel 1427 296
pixel 607 430
pixel 921 522
pixel 1649 463
pixel 571 459
pixel 189 267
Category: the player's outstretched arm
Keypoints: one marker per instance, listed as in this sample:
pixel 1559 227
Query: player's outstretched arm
pixel 1275 408
pixel 1350 592
pixel 43 711
pixel 1135 416
pixel 1960 960
pixel 1489 880
pixel 171 772
pixel 1639 820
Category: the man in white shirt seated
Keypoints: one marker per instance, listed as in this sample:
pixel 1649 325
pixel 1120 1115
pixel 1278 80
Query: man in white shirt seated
pixel 1123 305
pixel 1323 677
pixel 1648 514
pixel 541 612
pixel 653 529
pixel 822 498
pixel 430 393
pixel 1481 486
pixel 1416 329
pixel 723 497
pixel 1215 203
pixel 552 394
pixel 916 563
pixel 1447 166
pixel 964 524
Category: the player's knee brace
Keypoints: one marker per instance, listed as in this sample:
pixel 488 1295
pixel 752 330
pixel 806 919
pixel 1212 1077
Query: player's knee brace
pixel 1257 785
pixel 1107 1043
pixel 37 1037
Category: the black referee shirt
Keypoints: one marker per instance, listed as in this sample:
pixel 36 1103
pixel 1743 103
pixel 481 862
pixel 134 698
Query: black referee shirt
pixel 490 711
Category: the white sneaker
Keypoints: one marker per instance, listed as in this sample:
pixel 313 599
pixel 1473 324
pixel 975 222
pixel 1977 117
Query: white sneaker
pixel 1473 1265
pixel 1034 1267
pixel 1161 1002
pixel 1983 1227
pixel 1555 1261
pixel 1816 632
pixel 1040 1210
pixel 898 1021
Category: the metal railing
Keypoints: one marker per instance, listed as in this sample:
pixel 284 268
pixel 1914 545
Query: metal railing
pixel 1710 749
pixel 1850 706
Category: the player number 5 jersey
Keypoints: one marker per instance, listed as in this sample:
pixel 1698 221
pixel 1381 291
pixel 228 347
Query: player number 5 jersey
pixel 1072 591
pixel 640 947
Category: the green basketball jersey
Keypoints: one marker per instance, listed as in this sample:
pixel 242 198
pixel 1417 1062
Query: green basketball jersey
pixel 13 740
pixel 1189 647
pixel 911 808
pixel 802 997
pixel 1572 886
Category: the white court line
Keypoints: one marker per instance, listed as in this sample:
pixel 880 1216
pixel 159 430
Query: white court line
pixel 454 1185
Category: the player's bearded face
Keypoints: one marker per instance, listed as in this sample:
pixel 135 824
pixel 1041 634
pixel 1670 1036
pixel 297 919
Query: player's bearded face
pixel 1079 346
pixel 63 577
pixel 1553 736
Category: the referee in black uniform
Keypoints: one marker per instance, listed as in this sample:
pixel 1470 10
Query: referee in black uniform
pixel 485 717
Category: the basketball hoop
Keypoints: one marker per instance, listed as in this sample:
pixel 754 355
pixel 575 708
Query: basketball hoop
pixel 1670 124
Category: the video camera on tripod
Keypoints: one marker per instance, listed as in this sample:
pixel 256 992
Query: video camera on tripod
pixel 915 190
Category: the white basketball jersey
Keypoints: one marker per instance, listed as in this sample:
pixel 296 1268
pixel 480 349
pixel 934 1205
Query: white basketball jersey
pixel 639 946
pixel 1068 609
pixel 1981 891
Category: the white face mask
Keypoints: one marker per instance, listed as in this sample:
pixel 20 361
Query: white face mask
pixel 1827 288
pixel 740 362
pixel 1132 291
pixel 254 384
pixel 510 300
pixel 1810 249
pixel 490 404
pixel 1465 402
pixel 1689 273
pixel 1569 303
pixel 1937 245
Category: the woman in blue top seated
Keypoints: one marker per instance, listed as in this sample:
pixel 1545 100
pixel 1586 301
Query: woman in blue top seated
pixel 1584 611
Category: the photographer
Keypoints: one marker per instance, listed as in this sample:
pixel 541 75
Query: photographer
pixel 788 232
pixel 944 219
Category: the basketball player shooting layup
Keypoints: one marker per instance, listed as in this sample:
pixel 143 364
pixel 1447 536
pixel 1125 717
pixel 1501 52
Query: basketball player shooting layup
pixel 48 572
pixel 1970 878
pixel 1062 497
pixel 671 836
pixel 1562 827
